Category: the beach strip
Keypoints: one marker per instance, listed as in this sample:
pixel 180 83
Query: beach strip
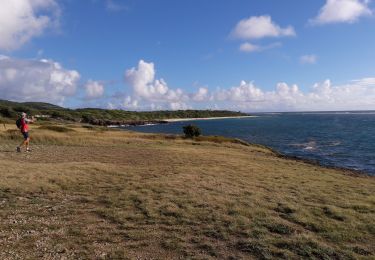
pixel 205 118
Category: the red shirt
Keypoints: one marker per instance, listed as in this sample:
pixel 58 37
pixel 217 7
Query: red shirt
pixel 24 125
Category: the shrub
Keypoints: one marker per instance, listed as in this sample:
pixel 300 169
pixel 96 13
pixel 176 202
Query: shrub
pixel 56 114
pixel 62 115
pixel 60 129
pixel 21 108
pixel 7 112
pixel 87 119
pixel 191 131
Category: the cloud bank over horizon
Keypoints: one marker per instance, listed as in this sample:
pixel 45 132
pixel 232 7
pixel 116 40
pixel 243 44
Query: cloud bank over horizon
pixel 47 81
pixel 146 92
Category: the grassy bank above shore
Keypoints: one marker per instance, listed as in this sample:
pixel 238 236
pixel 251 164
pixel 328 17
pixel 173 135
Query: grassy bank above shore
pixel 95 193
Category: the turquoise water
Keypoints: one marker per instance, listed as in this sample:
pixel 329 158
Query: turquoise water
pixel 342 139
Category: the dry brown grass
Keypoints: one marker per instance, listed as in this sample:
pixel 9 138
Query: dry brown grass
pixel 97 194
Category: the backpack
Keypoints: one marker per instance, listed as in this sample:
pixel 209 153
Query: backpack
pixel 19 123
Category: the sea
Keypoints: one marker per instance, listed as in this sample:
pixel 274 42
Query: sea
pixel 338 139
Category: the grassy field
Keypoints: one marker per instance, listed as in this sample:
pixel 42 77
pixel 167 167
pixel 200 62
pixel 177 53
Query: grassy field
pixel 90 193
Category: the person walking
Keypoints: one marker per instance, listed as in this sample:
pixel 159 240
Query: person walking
pixel 22 124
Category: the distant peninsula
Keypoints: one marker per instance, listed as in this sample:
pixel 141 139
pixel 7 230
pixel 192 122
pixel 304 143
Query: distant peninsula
pixel 106 117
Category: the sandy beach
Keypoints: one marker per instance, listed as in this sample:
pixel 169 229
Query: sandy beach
pixel 206 118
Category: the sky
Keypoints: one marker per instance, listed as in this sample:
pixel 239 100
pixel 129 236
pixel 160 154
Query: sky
pixel 241 55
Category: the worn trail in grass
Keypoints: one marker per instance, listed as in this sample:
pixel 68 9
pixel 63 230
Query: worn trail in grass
pixel 109 194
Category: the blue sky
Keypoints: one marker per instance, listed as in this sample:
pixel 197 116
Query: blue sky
pixel 265 55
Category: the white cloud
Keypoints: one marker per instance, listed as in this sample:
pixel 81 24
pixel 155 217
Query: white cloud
pixel 355 95
pixel 308 59
pixel 130 103
pixel 151 93
pixel 367 82
pixel 145 87
pixel 249 47
pixel 257 27
pixel 201 95
pixel 179 106
pixel 115 6
pixel 94 89
pixel 21 20
pixel 245 92
pixel 36 80
pixel 111 106
pixel 342 11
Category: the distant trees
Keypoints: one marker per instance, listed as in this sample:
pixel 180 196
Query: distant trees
pixel 13 111
pixel 9 109
pixel 191 131
pixel 7 112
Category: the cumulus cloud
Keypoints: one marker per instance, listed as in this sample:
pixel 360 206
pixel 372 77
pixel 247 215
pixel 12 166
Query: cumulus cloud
pixel 21 20
pixel 308 59
pixel 342 11
pixel 257 27
pixel 178 106
pixel 245 92
pixel 94 89
pixel 36 80
pixel 130 103
pixel 201 95
pixel 147 93
pixel 145 87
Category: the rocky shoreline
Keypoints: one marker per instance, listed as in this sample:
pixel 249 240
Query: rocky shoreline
pixel 117 123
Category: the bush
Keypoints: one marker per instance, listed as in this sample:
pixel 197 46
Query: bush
pixel 62 115
pixel 60 129
pixel 20 109
pixel 7 112
pixel 191 131
pixel 88 119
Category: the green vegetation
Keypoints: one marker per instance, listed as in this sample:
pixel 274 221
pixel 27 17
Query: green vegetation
pixel 191 131
pixel 10 109
pixel 56 128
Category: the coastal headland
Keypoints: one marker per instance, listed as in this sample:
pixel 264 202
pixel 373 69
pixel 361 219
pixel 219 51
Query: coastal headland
pixel 97 193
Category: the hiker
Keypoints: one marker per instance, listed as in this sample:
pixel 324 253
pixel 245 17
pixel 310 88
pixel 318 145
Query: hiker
pixel 22 124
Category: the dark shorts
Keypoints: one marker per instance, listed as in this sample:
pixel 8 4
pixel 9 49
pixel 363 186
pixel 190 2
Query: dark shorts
pixel 25 135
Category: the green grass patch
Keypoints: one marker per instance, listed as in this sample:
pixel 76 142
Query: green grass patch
pixel 278 228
